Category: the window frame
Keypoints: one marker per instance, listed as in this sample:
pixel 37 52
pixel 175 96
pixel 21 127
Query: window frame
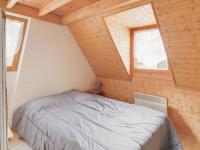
pixel 15 63
pixel 132 30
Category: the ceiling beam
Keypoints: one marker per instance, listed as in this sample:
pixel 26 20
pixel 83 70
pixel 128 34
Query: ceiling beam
pixel 29 12
pixel 11 3
pixel 95 9
pixel 51 6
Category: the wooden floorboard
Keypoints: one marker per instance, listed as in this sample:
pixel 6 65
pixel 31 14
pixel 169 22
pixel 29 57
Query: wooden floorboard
pixel 189 144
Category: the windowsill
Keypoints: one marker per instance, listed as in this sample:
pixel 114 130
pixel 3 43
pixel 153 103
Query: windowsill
pixel 11 69
pixel 150 70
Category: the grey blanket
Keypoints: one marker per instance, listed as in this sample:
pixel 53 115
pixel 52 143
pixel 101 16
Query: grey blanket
pixel 76 120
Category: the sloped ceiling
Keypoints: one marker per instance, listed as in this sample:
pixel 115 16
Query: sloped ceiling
pixel 179 22
pixel 65 9
pixel 99 48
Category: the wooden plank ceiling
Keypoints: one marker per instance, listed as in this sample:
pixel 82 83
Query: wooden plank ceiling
pixel 137 17
pixel 63 10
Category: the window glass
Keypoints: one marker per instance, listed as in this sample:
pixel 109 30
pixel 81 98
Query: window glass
pixel 149 51
pixel 14 33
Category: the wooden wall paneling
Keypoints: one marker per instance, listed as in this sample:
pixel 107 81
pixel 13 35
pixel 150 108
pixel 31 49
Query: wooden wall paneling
pixel 178 22
pixel 183 105
pixel 164 42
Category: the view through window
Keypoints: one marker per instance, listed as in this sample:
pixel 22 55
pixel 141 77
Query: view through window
pixel 14 39
pixel 149 51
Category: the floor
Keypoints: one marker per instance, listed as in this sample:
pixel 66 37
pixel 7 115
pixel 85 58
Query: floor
pixel 18 143
pixel 20 146
pixel 189 144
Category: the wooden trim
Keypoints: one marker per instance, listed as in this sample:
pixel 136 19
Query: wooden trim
pixel 132 47
pixel 30 12
pixel 52 5
pixel 151 70
pixel 131 53
pixel 16 58
pixel 170 68
pixel 16 18
pixel 155 26
pixel 11 3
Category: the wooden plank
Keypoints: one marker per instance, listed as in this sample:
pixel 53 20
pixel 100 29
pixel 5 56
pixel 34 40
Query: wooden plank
pixel 29 12
pixel 95 9
pixel 53 5
pixel 11 3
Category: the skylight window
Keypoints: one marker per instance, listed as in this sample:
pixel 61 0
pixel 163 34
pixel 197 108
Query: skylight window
pixel 149 51
pixel 15 28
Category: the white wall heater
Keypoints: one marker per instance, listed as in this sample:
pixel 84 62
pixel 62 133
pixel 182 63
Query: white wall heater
pixel 151 101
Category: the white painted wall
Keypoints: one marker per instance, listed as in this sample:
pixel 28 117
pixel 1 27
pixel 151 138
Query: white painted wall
pixel 11 79
pixel 52 62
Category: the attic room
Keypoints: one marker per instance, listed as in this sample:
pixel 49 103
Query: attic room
pixel 100 75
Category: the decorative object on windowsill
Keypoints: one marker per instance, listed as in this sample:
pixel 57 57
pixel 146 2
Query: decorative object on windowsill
pixel 98 85
pixel 97 90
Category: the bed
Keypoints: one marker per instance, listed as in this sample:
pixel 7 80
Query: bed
pixel 75 120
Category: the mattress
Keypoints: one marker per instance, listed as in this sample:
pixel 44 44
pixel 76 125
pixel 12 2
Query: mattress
pixel 75 120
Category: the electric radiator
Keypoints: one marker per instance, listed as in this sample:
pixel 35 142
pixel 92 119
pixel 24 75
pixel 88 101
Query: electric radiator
pixel 154 102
